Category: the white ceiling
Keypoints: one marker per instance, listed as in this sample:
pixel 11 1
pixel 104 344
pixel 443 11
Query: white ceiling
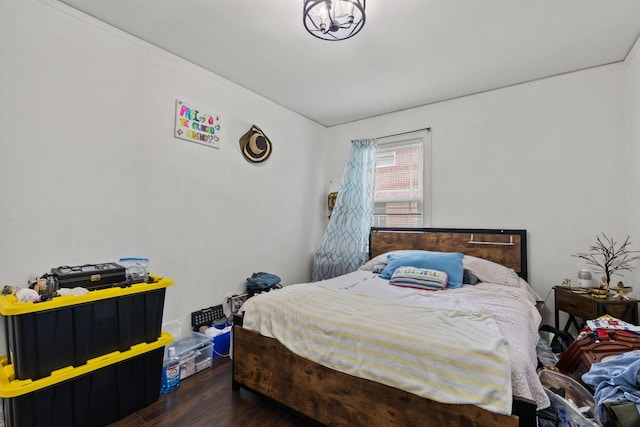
pixel 409 53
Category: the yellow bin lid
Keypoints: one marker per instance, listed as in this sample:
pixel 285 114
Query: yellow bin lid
pixel 10 387
pixel 10 306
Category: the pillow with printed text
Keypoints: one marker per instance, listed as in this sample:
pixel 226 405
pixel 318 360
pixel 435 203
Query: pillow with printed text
pixel 419 278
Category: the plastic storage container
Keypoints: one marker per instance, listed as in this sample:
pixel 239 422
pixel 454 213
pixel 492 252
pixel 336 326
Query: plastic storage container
pixel 567 414
pixel 100 392
pixel 222 344
pixel 195 353
pixel 221 336
pixel 577 407
pixel 69 330
pixel 136 269
pixel 204 357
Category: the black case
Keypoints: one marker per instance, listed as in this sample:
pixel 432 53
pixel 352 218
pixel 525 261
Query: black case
pixel 90 276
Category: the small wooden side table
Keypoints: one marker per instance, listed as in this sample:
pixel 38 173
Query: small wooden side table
pixel 588 307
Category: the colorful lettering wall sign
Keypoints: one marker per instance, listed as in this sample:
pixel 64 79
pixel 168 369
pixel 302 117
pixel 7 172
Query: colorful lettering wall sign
pixel 196 125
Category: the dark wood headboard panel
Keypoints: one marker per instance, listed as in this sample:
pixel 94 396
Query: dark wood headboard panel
pixel 506 247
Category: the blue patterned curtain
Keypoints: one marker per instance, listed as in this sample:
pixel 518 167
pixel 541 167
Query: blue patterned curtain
pixel 343 247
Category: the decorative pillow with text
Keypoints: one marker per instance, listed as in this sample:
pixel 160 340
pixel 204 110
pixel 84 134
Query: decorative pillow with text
pixel 419 278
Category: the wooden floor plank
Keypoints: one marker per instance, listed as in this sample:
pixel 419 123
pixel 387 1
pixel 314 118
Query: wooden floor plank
pixel 206 399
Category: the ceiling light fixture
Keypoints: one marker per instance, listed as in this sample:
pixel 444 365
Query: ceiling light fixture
pixel 334 19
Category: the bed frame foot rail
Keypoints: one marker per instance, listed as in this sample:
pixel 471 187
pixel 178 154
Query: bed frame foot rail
pixel 334 398
pixel 525 409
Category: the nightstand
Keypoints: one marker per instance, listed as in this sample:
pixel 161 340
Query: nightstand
pixel 587 307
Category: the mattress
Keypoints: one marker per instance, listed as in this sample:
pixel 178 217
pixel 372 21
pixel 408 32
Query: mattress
pixel 475 344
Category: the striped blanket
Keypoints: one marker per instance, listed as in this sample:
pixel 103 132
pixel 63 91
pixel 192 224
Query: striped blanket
pixel 444 355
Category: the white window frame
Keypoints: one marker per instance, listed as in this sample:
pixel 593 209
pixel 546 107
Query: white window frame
pixel 422 137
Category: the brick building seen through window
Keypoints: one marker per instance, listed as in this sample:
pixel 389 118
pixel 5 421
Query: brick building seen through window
pixel 398 197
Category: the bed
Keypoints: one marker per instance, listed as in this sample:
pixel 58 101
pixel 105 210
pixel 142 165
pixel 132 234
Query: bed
pixel 358 351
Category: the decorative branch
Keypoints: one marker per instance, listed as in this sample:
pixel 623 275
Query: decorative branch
pixel 609 259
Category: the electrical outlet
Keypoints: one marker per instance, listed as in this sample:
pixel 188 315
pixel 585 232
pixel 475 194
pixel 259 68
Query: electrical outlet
pixel 236 301
pixel 174 328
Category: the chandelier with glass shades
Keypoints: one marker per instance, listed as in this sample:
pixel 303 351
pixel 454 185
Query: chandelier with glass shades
pixel 334 19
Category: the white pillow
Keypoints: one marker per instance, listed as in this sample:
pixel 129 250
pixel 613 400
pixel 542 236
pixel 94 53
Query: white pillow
pixel 491 272
pixel 382 259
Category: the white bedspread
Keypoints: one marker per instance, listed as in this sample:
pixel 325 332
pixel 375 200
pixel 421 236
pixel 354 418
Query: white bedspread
pixel 402 337
pixel 361 325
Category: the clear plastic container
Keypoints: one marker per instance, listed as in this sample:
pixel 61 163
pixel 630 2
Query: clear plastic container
pixel 136 269
pixel 191 351
pixel 577 404
pixel 568 415
pixel 186 345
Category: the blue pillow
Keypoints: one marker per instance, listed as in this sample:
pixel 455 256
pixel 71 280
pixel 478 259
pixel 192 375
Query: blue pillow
pixel 449 262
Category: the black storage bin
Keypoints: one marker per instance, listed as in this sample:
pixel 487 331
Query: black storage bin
pixel 117 386
pixel 68 331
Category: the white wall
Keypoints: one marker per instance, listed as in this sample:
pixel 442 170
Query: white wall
pixel 90 170
pixel 547 156
pixel 632 127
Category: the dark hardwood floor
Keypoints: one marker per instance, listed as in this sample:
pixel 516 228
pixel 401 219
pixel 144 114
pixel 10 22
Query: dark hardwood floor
pixel 206 399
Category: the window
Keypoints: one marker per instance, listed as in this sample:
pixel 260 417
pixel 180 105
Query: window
pixel 399 195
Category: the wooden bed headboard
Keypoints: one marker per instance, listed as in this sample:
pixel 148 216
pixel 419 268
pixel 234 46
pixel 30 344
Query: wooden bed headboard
pixel 506 247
